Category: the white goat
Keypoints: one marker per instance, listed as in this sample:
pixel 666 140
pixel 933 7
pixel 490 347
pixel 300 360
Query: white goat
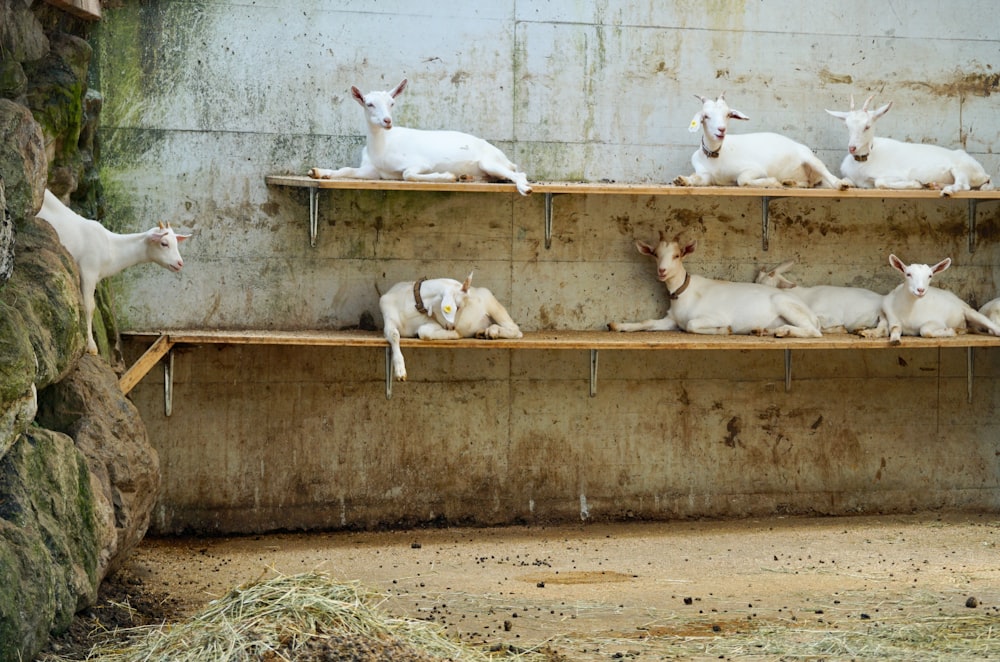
pixel 874 162
pixel 915 308
pixel 441 309
pixel 767 160
pixel 839 309
pixel 703 305
pixel 100 253
pixel 396 152
pixel 991 309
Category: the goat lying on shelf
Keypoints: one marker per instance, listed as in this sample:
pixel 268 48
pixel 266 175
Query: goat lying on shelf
pixel 767 160
pixel 703 305
pixel 875 162
pixel 915 308
pixel 838 309
pixel 396 152
pixel 441 309
pixel 99 252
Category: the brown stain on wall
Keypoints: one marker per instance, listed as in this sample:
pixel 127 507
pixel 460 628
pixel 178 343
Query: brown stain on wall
pixel 978 84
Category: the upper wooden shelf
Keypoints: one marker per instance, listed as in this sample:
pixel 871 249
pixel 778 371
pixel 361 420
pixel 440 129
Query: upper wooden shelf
pixel 614 188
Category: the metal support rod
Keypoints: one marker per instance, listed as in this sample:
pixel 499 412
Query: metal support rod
pixel 765 204
pixel 548 220
pixel 313 215
pixel 168 384
pixel 593 373
pixel 388 373
pixel 969 372
pixel 788 370
pixel 973 205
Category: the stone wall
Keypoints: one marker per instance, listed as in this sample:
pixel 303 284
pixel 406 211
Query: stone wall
pixel 78 476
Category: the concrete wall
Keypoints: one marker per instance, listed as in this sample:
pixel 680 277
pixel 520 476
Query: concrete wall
pixel 203 99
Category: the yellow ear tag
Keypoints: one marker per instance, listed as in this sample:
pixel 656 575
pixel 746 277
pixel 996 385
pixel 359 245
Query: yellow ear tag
pixel 694 125
pixel 447 309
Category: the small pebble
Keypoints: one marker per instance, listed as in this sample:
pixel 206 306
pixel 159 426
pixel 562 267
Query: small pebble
pixel 972 603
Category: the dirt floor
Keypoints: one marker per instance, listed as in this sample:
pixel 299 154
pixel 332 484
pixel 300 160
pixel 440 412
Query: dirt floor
pixel 888 587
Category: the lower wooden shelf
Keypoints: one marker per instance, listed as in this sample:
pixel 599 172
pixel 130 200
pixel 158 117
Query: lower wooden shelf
pixel 161 343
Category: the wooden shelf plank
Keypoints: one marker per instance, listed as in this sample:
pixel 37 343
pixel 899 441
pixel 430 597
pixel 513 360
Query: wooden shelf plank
pixel 615 188
pixel 559 340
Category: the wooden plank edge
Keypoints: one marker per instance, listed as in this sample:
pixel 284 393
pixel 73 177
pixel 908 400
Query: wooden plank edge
pixel 548 340
pixel 144 364
pixel 620 188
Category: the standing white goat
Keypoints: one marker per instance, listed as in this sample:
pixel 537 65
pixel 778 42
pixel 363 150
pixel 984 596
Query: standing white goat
pixel 441 309
pixel 703 305
pixel 839 309
pixel 915 308
pixel 874 162
pixel 767 160
pixel 396 152
pixel 100 253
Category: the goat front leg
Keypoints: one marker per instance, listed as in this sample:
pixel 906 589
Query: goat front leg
pixel 503 325
pixel 695 179
pixel 433 331
pixel 665 324
pixel 87 288
pixel 398 365
pixel 366 171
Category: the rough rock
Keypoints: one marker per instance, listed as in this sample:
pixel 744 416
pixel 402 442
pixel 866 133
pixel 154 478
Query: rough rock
pixel 6 238
pixel 44 289
pixel 48 541
pixel 57 85
pixel 22 37
pixel 22 160
pixel 89 407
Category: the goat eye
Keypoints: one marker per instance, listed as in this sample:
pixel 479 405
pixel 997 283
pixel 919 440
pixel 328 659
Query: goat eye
pixel 165 243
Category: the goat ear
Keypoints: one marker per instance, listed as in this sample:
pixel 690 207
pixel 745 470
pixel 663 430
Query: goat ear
pixel 882 111
pixel 896 263
pixel 941 266
pixel 644 248
pixel 358 96
pixel 182 237
pixel 839 114
pixel 784 266
pixel 399 88
pixel 696 121
pixel 737 115
pixel 689 248
pixel 449 306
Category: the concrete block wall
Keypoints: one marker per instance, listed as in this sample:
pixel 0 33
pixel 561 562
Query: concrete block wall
pixel 203 99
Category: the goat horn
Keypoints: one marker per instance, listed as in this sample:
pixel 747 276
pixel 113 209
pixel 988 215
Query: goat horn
pixel 663 235
pixel 868 101
pixel 852 102
pixel 159 224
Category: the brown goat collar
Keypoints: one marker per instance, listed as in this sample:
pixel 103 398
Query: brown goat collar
pixel 680 290
pixel 859 158
pixel 710 154
pixel 419 302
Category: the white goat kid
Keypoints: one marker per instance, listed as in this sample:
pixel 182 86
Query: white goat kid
pixel 874 162
pixel 396 152
pixel 100 253
pixel 441 309
pixel 915 308
pixel 767 160
pixel 703 305
pixel 838 309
